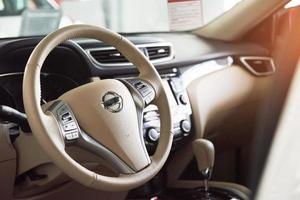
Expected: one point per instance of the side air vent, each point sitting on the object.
(109, 56)
(259, 66)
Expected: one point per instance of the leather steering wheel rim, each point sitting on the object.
(46, 129)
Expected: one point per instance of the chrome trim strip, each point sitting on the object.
(158, 44)
(11, 74)
(204, 68)
(244, 59)
(16, 74)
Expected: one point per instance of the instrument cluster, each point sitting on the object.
(52, 86)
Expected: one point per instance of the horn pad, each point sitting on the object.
(106, 111)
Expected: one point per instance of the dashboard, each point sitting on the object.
(180, 58)
(214, 90)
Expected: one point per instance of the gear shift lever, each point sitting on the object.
(205, 155)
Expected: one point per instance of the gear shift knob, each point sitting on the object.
(204, 152)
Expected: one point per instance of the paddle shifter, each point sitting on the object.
(204, 152)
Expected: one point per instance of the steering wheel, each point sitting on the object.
(103, 117)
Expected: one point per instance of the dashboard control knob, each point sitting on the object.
(185, 126)
(183, 99)
(153, 134)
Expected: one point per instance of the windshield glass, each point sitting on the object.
(39, 17)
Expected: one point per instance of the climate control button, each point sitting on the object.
(185, 126)
(153, 134)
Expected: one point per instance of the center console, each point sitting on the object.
(182, 129)
(181, 113)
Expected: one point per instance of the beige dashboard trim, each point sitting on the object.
(214, 95)
(213, 98)
(243, 17)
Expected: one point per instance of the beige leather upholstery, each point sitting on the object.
(45, 127)
(281, 176)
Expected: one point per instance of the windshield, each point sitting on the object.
(39, 17)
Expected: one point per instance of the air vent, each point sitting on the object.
(158, 52)
(259, 66)
(109, 56)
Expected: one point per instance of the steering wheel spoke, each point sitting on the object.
(66, 120)
(141, 90)
(73, 135)
(143, 94)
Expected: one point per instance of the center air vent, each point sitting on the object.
(109, 56)
(158, 52)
